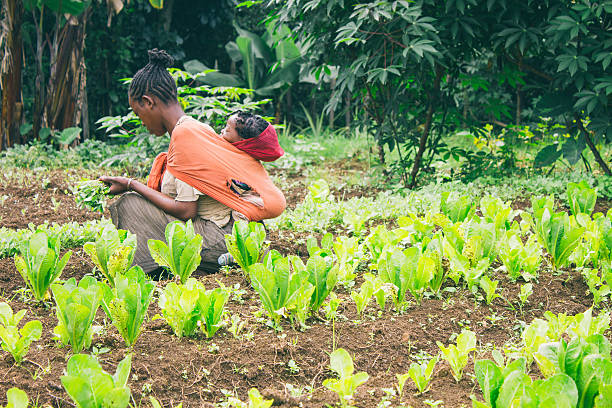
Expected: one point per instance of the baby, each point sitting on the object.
(254, 135)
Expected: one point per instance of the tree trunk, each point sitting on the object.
(39, 89)
(423, 140)
(63, 91)
(82, 105)
(10, 73)
(592, 146)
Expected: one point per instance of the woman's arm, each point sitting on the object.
(183, 210)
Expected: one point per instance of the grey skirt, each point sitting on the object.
(138, 215)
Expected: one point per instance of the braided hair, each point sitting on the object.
(248, 125)
(154, 78)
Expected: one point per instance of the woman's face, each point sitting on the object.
(229, 132)
(147, 109)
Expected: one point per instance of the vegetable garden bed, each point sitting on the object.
(288, 366)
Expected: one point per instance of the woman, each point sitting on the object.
(193, 180)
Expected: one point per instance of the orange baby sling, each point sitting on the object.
(208, 163)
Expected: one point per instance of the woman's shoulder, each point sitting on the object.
(192, 125)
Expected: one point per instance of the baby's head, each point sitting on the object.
(243, 125)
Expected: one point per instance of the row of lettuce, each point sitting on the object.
(571, 354)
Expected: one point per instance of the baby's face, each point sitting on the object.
(229, 132)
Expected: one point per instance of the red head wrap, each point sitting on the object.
(264, 147)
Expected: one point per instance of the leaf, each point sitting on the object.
(557, 391)
(341, 362)
(547, 156)
(158, 4)
(489, 378)
(16, 398)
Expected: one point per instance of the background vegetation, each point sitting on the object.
(460, 88)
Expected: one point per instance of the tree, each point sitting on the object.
(10, 72)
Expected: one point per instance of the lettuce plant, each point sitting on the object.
(407, 270)
(520, 260)
(539, 204)
(126, 304)
(433, 250)
(578, 374)
(14, 340)
(421, 373)
(489, 287)
(180, 306)
(372, 286)
(342, 364)
(211, 304)
(112, 252)
(457, 208)
(418, 227)
(76, 307)
(458, 355)
(581, 198)
(91, 387)
(247, 243)
(597, 286)
(277, 284)
(181, 251)
(323, 275)
(465, 258)
(325, 249)
(187, 306)
(298, 305)
(557, 235)
(16, 398)
(495, 211)
(39, 263)
(380, 238)
(348, 252)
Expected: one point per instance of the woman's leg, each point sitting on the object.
(136, 214)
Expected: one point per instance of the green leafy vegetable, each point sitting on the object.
(126, 304)
(408, 270)
(557, 235)
(421, 373)
(91, 194)
(14, 340)
(91, 387)
(76, 310)
(40, 263)
(581, 197)
(276, 284)
(247, 243)
(458, 355)
(211, 304)
(489, 288)
(322, 274)
(180, 307)
(181, 254)
(112, 252)
(457, 208)
(519, 260)
(342, 364)
(16, 398)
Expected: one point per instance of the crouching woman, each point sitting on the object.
(193, 180)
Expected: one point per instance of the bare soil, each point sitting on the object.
(201, 372)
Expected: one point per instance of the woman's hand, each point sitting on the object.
(117, 185)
